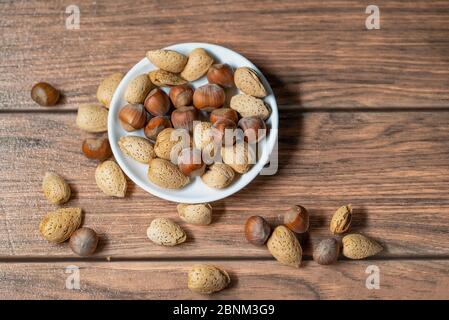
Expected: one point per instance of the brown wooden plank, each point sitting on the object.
(393, 167)
(250, 280)
(314, 54)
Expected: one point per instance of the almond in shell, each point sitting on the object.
(207, 279)
(198, 64)
(165, 232)
(162, 78)
(92, 118)
(107, 88)
(110, 179)
(165, 174)
(59, 225)
(341, 220)
(170, 142)
(285, 247)
(202, 134)
(137, 90)
(247, 80)
(249, 106)
(167, 60)
(138, 148)
(239, 157)
(55, 188)
(218, 176)
(357, 246)
(200, 214)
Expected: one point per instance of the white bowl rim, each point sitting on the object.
(169, 194)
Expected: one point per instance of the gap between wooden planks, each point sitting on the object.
(313, 55)
(250, 280)
(391, 167)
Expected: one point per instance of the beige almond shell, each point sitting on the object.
(218, 176)
(107, 88)
(59, 225)
(111, 179)
(170, 142)
(166, 175)
(247, 80)
(137, 90)
(167, 60)
(199, 214)
(162, 78)
(198, 64)
(138, 148)
(357, 246)
(249, 106)
(55, 188)
(165, 232)
(285, 247)
(92, 118)
(341, 220)
(239, 157)
(207, 279)
(202, 135)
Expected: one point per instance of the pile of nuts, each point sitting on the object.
(193, 133)
(285, 247)
(170, 122)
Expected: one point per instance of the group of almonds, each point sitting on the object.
(283, 244)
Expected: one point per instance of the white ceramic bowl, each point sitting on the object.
(196, 191)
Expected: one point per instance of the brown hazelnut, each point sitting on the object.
(224, 113)
(297, 219)
(133, 117)
(327, 251)
(98, 149)
(183, 117)
(221, 74)
(209, 97)
(224, 129)
(84, 241)
(191, 163)
(156, 125)
(157, 102)
(44, 94)
(257, 230)
(254, 128)
(181, 95)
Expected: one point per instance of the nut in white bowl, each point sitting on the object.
(196, 191)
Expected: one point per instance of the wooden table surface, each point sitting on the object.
(364, 120)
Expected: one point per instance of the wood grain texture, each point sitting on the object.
(250, 280)
(315, 54)
(393, 168)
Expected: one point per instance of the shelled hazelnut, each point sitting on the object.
(181, 95)
(297, 219)
(98, 149)
(221, 74)
(44, 94)
(254, 128)
(183, 118)
(156, 125)
(209, 97)
(257, 230)
(157, 102)
(224, 113)
(133, 117)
